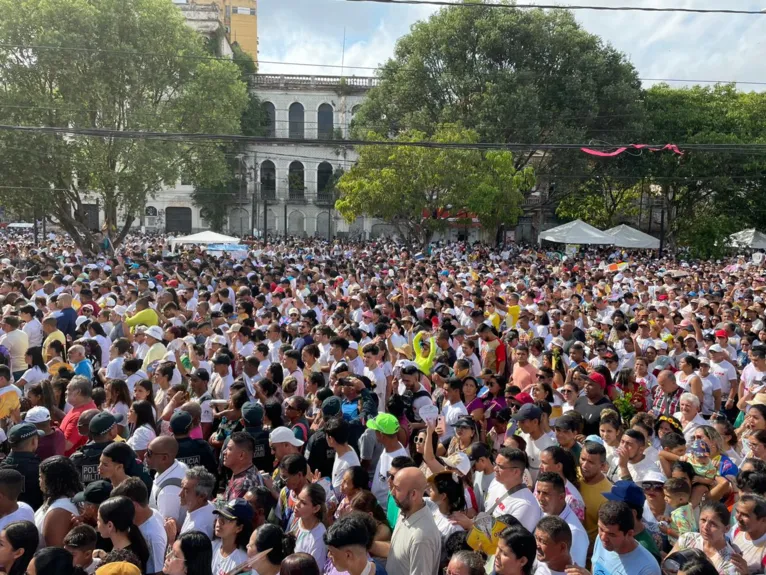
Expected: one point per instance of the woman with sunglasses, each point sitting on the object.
(570, 393)
(474, 405)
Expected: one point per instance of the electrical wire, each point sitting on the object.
(566, 7)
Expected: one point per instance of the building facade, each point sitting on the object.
(238, 18)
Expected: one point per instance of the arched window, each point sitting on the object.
(355, 109)
(150, 211)
(325, 122)
(268, 180)
(270, 121)
(324, 174)
(296, 182)
(296, 121)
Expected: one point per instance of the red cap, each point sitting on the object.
(279, 290)
(662, 297)
(721, 333)
(173, 283)
(523, 398)
(598, 379)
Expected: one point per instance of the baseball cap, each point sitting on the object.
(565, 423)
(699, 448)
(598, 379)
(477, 450)
(284, 435)
(252, 413)
(95, 492)
(237, 509)
(155, 332)
(523, 398)
(118, 568)
(22, 431)
(528, 411)
(180, 422)
(385, 423)
(594, 439)
(464, 421)
(628, 492)
(715, 348)
(101, 423)
(459, 461)
(331, 406)
(201, 373)
(38, 414)
(721, 333)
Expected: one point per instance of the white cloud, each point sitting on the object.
(660, 45)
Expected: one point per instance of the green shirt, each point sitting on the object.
(646, 541)
(392, 512)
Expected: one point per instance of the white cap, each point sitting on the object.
(653, 477)
(284, 435)
(38, 414)
(110, 302)
(81, 320)
(119, 310)
(155, 331)
(219, 339)
(353, 345)
(715, 348)
(459, 461)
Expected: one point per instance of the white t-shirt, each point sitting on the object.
(120, 410)
(543, 569)
(201, 519)
(339, 467)
(754, 552)
(451, 413)
(725, 373)
(153, 530)
(221, 564)
(751, 377)
(312, 542)
(709, 385)
(521, 505)
(379, 481)
(114, 371)
(23, 513)
(32, 376)
(141, 438)
(534, 448)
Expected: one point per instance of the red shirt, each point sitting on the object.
(69, 427)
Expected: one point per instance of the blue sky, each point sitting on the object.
(660, 45)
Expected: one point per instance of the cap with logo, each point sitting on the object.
(23, 431)
(201, 373)
(101, 423)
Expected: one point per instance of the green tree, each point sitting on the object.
(410, 186)
(512, 75)
(700, 183)
(121, 65)
(216, 200)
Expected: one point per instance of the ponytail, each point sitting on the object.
(138, 546)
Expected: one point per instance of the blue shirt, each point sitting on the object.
(637, 562)
(84, 369)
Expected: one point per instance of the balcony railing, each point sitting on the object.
(290, 80)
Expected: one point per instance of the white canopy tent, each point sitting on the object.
(627, 237)
(204, 238)
(751, 238)
(576, 232)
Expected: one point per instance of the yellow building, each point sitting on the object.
(240, 17)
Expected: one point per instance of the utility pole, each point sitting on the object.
(257, 180)
(662, 223)
(242, 183)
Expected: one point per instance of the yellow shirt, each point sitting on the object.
(147, 317)
(591, 496)
(57, 335)
(155, 353)
(514, 311)
(9, 401)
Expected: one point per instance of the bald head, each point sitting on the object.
(162, 453)
(411, 479)
(65, 300)
(667, 381)
(83, 423)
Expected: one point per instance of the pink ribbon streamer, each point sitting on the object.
(670, 147)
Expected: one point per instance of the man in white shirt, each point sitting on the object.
(550, 492)
(374, 373)
(220, 382)
(529, 417)
(452, 410)
(554, 541)
(725, 372)
(749, 535)
(197, 490)
(508, 493)
(32, 326)
(11, 509)
(17, 343)
(386, 427)
(161, 457)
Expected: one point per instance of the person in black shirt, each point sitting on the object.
(593, 403)
(318, 453)
(191, 452)
(252, 420)
(23, 439)
(102, 429)
(87, 502)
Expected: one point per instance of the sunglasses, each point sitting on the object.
(419, 440)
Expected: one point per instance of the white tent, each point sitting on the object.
(627, 237)
(204, 238)
(751, 238)
(576, 232)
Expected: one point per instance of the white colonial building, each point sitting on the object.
(288, 181)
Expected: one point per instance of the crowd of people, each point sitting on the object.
(331, 408)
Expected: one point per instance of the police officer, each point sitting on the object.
(102, 430)
(252, 420)
(23, 439)
(191, 452)
(318, 453)
(87, 502)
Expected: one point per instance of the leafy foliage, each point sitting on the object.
(124, 65)
(408, 186)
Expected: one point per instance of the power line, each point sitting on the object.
(469, 4)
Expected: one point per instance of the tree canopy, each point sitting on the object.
(121, 65)
(413, 188)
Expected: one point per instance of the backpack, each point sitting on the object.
(409, 399)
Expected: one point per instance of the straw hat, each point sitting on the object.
(405, 350)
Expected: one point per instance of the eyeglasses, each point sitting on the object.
(565, 391)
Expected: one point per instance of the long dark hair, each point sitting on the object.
(300, 564)
(270, 536)
(198, 552)
(144, 414)
(445, 484)
(568, 466)
(273, 410)
(36, 355)
(119, 511)
(22, 535)
(56, 560)
(61, 478)
(365, 501)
